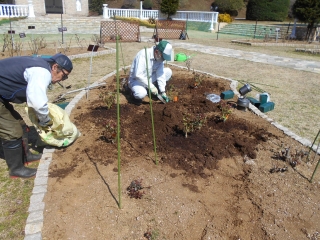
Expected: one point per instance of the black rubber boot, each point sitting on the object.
(28, 156)
(135, 101)
(14, 155)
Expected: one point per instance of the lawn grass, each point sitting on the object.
(14, 202)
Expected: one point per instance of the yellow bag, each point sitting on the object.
(62, 132)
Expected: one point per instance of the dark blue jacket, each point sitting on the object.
(12, 83)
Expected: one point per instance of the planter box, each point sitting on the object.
(254, 102)
(266, 107)
(263, 98)
(227, 94)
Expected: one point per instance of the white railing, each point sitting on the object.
(8, 10)
(211, 17)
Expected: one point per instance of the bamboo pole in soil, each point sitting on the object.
(118, 122)
(314, 172)
(315, 139)
(150, 102)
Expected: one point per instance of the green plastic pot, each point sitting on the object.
(63, 105)
(181, 57)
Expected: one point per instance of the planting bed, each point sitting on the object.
(225, 180)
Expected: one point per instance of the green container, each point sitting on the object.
(266, 107)
(263, 98)
(63, 105)
(254, 101)
(181, 57)
(42, 56)
(227, 94)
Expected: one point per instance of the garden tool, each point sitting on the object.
(62, 98)
(161, 98)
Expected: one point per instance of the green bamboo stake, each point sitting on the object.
(115, 24)
(312, 145)
(118, 122)
(314, 172)
(149, 92)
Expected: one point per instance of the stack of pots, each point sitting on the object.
(243, 103)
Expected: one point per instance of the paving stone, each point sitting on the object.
(39, 189)
(41, 180)
(36, 236)
(35, 217)
(32, 228)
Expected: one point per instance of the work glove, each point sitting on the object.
(45, 122)
(154, 90)
(165, 97)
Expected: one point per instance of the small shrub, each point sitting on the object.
(187, 123)
(226, 110)
(36, 44)
(96, 39)
(134, 189)
(152, 20)
(190, 123)
(151, 234)
(144, 23)
(79, 41)
(108, 98)
(225, 18)
(110, 132)
(198, 78)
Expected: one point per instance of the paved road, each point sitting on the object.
(294, 63)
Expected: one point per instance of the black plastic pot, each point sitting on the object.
(245, 89)
(243, 104)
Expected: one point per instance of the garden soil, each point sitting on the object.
(239, 178)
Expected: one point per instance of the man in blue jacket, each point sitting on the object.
(25, 80)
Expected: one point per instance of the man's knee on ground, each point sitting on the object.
(168, 73)
(140, 94)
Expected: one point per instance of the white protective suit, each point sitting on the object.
(138, 81)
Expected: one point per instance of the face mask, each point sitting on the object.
(158, 56)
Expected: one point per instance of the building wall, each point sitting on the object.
(69, 6)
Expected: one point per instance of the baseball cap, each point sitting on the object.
(63, 61)
(165, 48)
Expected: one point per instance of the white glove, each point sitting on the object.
(154, 90)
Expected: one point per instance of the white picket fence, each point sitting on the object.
(9, 10)
(211, 17)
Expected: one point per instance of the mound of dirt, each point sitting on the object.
(201, 175)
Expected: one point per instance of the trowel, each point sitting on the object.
(161, 98)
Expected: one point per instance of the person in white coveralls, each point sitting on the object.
(158, 74)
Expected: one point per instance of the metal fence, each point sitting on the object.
(128, 32)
